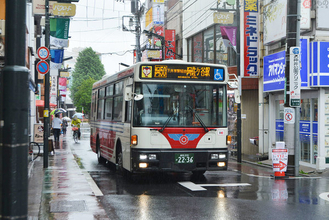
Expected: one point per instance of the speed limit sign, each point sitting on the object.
(43, 53)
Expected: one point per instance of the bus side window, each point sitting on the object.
(128, 111)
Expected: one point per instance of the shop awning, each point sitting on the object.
(41, 103)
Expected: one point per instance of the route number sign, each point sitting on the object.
(43, 53)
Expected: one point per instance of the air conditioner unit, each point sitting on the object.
(2, 27)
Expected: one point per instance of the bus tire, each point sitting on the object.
(101, 160)
(119, 159)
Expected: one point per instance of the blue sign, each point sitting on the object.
(274, 69)
(324, 64)
(219, 74)
(304, 63)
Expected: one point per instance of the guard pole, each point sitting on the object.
(14, 116)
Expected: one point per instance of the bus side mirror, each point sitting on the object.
(129, 95)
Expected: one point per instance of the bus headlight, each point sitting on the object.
(222, 156)
(221, 164)
(142, 156)
(152, 156)
(214, 156)
(134, 139)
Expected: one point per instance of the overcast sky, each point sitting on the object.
(97, 24)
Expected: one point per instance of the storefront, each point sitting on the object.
(313, 127)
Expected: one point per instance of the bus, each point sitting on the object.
(166, 116)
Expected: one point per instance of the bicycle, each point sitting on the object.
(34, 149)
(75, 134)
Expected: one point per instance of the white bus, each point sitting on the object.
(166, 116)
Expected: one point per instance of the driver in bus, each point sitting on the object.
(76, 122)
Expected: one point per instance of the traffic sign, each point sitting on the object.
(43, 53)
(42, 67)
(289, 115)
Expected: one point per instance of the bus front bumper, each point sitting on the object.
(195, 160)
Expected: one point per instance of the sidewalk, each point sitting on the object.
(63, 190)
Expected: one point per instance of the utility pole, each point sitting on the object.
(239, 160)
(291, 131)
(135, 11)
(14, 116)
(46, 108)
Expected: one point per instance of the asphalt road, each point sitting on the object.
(245, 193)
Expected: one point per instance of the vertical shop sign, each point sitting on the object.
(294, 76)
(251, 38)
(170, 45)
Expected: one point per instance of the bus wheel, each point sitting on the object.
(119, 159)
(101, 160)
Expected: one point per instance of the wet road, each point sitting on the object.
(243, 192)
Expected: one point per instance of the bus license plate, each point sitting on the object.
(184, 158)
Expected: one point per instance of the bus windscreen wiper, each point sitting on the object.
(199, 119)
(167, 122)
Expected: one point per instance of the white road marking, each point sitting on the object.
(199, 187)
(324, 196)
(92, 184)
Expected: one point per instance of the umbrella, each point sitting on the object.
(57, 111)
(66, 118)
(79, 115)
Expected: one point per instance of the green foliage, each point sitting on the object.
(83, 96)
(88, 69)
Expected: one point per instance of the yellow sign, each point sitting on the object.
(45, 113)
(147, 72)
(65, 74)
(155, 54)
(223, 17)
(64, 9)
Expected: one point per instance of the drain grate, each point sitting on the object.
(67, 206)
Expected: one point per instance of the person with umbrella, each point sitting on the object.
(64, 125)
(56, 125)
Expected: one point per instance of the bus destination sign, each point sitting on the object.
(182, 72)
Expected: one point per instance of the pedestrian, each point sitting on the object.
(56, 125)
(64, 126)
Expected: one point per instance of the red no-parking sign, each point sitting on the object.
(42, 67)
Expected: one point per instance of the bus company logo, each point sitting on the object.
(183, 139)
(146, 71)
(219, 75)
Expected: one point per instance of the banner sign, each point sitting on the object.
(56, 58)
(229, 36)
(251, 38)
(59, 32)
(170, 44)
(62, 84)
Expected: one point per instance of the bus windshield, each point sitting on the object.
(180, 105)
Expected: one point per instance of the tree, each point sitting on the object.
(83, 96)
(88, 68)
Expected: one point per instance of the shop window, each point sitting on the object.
(208, 37)
(197, 48)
